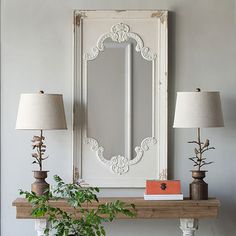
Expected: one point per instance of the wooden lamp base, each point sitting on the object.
(40, 186)
(198, 188)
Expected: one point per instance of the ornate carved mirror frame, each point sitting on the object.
(148, 31)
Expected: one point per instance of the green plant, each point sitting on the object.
(83, 221)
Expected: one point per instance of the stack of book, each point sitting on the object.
(163, 190)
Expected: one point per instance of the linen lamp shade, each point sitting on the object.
(198, 110)
(41, 112)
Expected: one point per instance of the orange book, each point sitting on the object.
(163, 187)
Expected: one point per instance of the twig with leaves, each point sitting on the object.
(40, 149)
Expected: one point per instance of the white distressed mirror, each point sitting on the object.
(120, 97)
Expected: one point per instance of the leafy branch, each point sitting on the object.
(83, 220)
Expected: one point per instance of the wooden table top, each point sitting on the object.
(145, 209)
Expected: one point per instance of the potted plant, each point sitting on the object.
(83, 220)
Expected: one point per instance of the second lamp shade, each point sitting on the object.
(198, 109)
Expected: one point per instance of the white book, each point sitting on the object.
(163, 197)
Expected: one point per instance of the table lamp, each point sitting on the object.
(198, 110)
(39, 111)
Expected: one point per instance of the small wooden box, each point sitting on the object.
(163, 187)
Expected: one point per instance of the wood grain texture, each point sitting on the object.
(145, 209)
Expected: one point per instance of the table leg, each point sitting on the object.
(188, 226)
(40, 226)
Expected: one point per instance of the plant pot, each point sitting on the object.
(40, 186)
(198, 188)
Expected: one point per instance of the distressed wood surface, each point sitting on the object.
(145, 209)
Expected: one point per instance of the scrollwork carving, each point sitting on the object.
(120, 164)
(120, 33)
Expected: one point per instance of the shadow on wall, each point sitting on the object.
(229, 104)
(225, 221)
(171, 91)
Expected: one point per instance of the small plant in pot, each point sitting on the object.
(199, 188)
(84, 219)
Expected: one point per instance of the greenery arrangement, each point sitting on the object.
(199, 160)
(83, 221)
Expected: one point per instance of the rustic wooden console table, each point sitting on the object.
(188, 211)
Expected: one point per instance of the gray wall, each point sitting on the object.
(37, 54)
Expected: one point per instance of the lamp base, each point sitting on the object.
(40, 186)
(198, 188)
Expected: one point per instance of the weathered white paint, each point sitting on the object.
(92, 29)
(188, 226)
(40, 226)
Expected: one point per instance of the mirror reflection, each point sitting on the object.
(119, 102)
